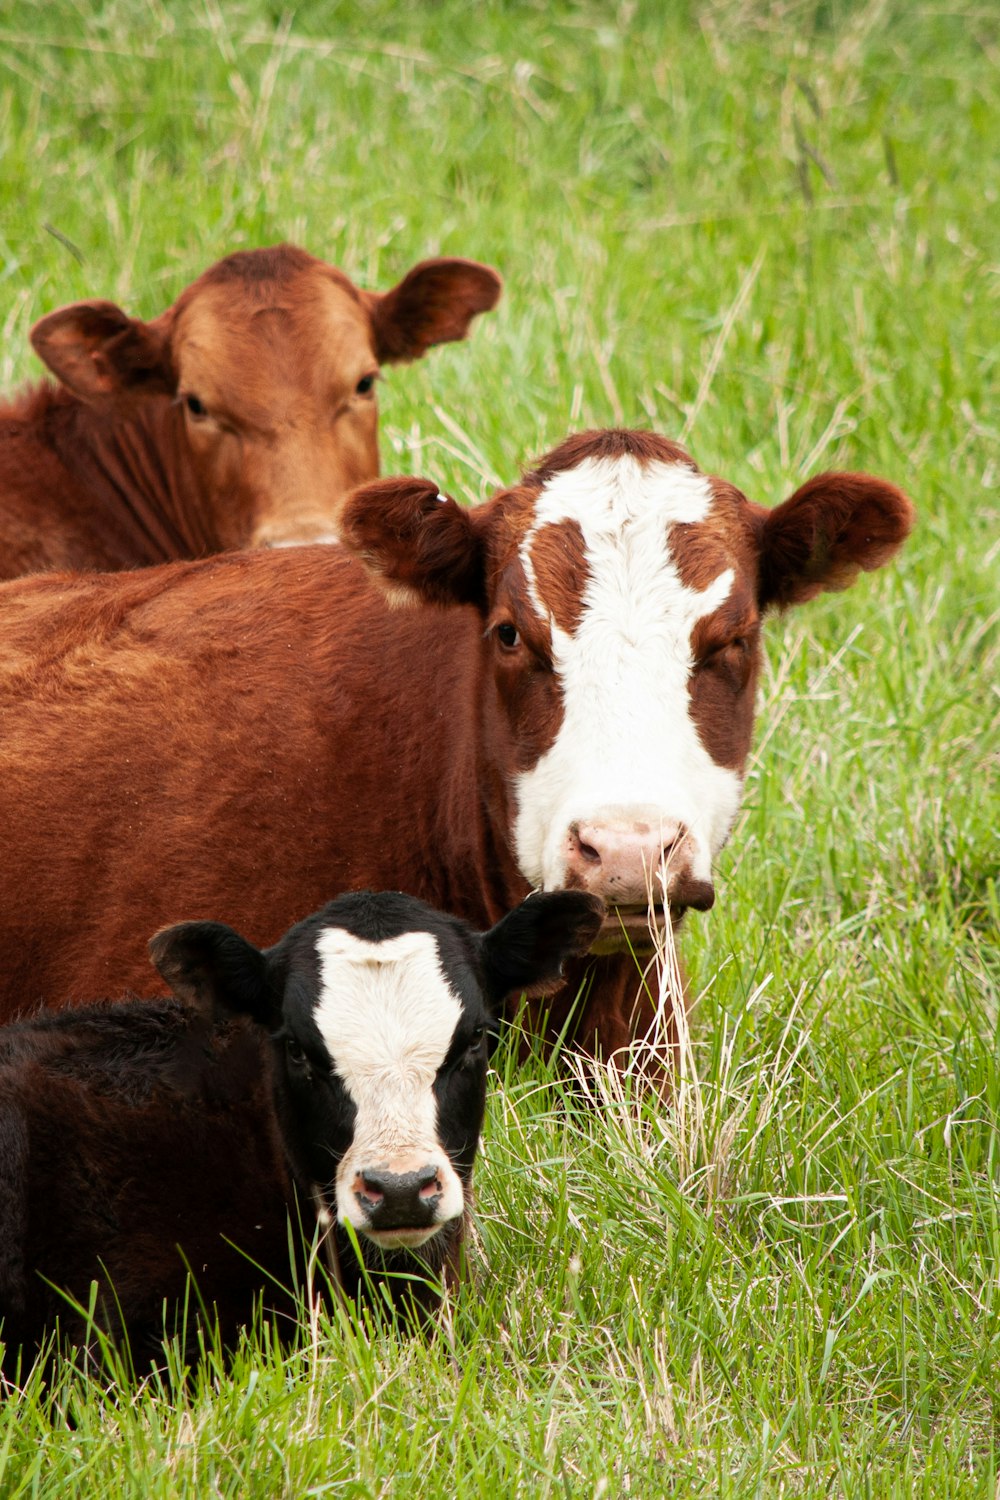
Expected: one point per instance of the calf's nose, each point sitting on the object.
(399, 1200)
(620, 860)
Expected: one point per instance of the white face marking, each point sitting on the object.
(627, 750)
(387, 1015)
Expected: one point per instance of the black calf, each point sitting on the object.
(338, 1077)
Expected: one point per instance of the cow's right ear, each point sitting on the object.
(527, 948)
(834, 527)
(417, 543)
(210, 966)
(97, 350)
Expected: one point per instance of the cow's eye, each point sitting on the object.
(507, 635)
(296, 1053)
(194, 406)
(475, 1048)
(366, 384)
(726, 651)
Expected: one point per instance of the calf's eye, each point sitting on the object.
(296, 1053)
(194, 406)
(507, 635)
(365, 384)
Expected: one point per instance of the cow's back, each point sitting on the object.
(126, 1132)
(238, 739)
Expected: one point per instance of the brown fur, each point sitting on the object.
(559, 558)
(111, 470)
(239, 738)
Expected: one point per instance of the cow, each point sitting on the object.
(553, 688)
(337, 1079)
(239, 417)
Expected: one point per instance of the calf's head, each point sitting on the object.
(272, 358)
(621, 592)
(381, 1012)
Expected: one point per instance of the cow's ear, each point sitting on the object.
(97, 350)
(834, 527)
(433, 304)
(527, 948)
(208, 965)
(417, 543)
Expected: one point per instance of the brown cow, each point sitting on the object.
(568, 701)
(240, 417)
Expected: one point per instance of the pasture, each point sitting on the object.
(768, 231)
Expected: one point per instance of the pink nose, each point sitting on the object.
(621, 861)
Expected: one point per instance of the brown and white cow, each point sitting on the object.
(568, 699)
(240, 417)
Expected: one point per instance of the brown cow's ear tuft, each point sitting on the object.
(834, 527)
(417, 543)
(527, 948)
(210, 966)
(97, 350)
(433, 304)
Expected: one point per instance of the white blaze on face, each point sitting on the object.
(627, 748)
(387, 1016)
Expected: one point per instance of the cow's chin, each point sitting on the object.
(632, 929)
(402, 1239)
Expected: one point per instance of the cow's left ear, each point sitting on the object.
(433, 304)
(417, 543)
(527, 948)
(834, 527)
(97, 350)
(208, 965)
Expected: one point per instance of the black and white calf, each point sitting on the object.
(338, 1077)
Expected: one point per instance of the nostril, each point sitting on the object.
(586, 851)
(672, 846)
(368, 1191)
(432, 1189)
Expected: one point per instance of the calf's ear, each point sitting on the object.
(417, 543)
(208, 965)
(433, 304)
(97, 350)
(528, 947)
(834, 527)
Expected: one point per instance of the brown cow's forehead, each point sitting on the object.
(257, 350)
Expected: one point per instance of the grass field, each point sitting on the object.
(764, 229)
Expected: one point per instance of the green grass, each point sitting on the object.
(765, 229)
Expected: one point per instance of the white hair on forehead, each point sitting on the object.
(384, 1006)
(605, 494)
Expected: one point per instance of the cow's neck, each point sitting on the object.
(479, 875)
(137, 470)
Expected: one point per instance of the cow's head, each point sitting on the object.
(621, 591)
(381, 1012)
(272, 358)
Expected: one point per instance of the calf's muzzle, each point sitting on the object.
(393, 1201)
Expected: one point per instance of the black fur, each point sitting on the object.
(143, 1138)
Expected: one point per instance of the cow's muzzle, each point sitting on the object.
(636, 866)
